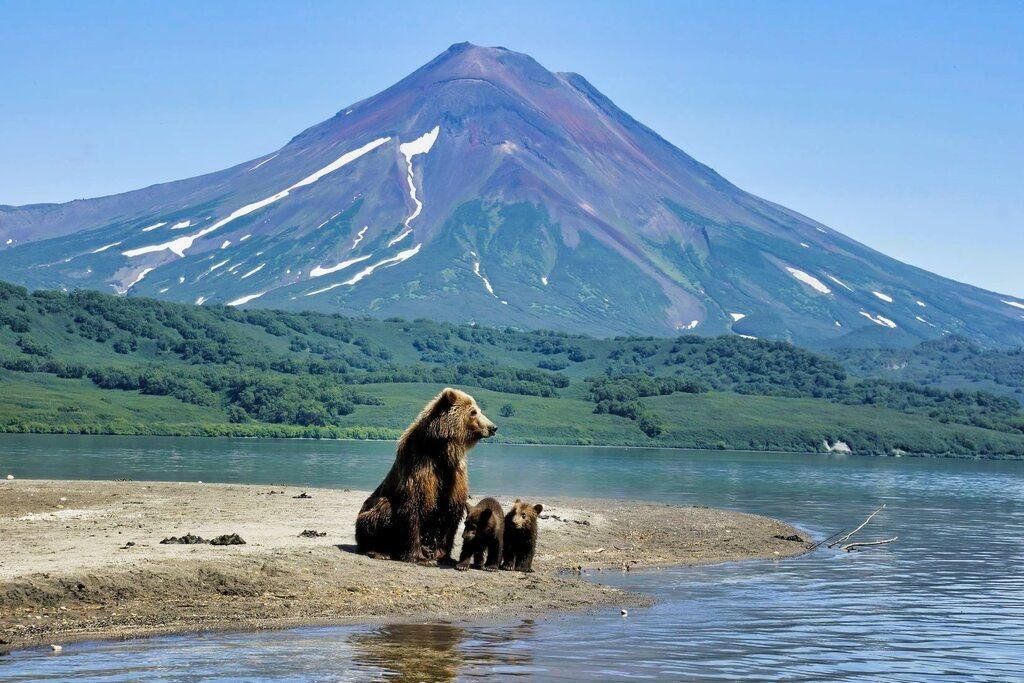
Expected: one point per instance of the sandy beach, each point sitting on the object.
(83, 560)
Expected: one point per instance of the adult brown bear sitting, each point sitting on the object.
(414, 514)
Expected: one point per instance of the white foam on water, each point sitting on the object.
(244, 237)
(884, 297)
(544, 281)
(200, 301)
(225, 244)
(920, 303)
(215, 266)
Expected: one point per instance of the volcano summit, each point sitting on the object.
(485, 188)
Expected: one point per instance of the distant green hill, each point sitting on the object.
(86, 362)
(951, 362)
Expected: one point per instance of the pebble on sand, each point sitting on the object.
(10, 476)
(56, 648)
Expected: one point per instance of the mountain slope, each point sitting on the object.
(94, 363)
(484, 188)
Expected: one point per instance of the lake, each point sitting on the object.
(945, 600)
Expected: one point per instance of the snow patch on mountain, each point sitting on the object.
(104, 248)
(736, 317)
(879, 320)
(270, 158)
(328, 220)
(487, 283)
(839, 282)
(254, 271)
(1015, 304)
(810, 280)
(393, 261)
(319, 271)
(884, 297)
(154, 226)
(136, 280)
(420, 145)
(180, 245)
(245, 299)
(359, 236)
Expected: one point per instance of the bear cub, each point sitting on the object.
(520, 536)
(485, 527)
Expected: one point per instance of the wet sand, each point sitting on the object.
(83, 560)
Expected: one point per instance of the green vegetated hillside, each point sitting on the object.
(86, 362)
(948, 363)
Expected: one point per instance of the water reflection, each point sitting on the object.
(442, 651)
(410, 652)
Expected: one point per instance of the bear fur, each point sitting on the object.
(485, 527)
(520, 537)
(414, 514)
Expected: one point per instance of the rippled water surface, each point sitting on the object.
(945, 601)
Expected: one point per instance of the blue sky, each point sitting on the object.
(900, 124)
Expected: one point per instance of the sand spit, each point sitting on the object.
(83, 560)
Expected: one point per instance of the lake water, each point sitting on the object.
(945, 601)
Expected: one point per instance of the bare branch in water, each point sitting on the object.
(862, 525)
(853, 546)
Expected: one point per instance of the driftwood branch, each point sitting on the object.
(862, 525)
(826, 540)
(853, 546)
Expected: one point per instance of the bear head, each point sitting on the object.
(524, 515)
(454, 416)
(475, 523)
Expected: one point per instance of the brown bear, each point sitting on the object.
(414, 514)
(485, 526)
(520, 538)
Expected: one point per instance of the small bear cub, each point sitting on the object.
(485, 527)
(520, 536)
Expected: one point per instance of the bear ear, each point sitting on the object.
(449, 395)
(538, 508)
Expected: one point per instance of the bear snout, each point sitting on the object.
(492, 429)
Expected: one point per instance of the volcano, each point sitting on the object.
(484, 188)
